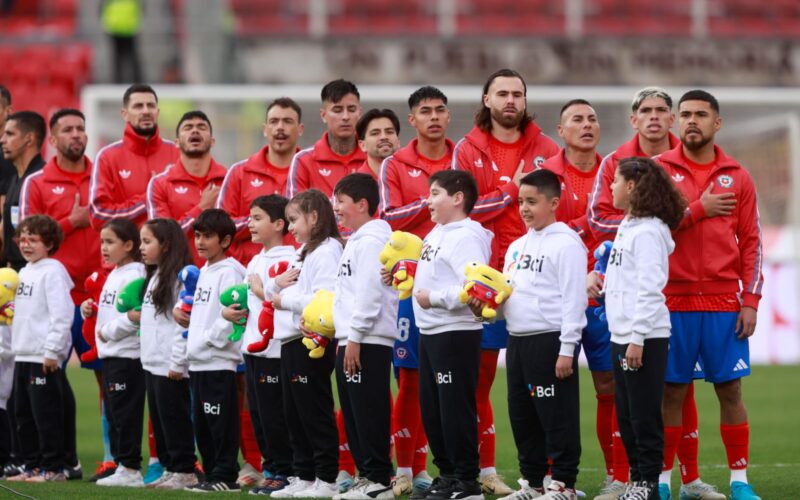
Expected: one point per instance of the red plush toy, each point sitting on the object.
(94, 285)
(266, 320)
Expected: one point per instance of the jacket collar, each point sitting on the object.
(258, 163)
(480, 138)
(410, 155)
(676, 156)
(139, 145)
(632, 148)
(177, 172)
(558, 163)
(52, 172)
(323, 152)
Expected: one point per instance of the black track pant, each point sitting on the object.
(365, 399)
(216, 422)
(308, 404)
(123, 393)
(170, 414)
(637, 397)
(39, 407)
(543, 410)
(265, 399)
(448, 377)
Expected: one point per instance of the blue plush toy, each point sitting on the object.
(188, 278)
(602, 254)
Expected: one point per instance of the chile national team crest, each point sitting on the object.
(725, 181)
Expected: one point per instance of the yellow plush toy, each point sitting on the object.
(486, 284)
(399, 257)
(9, 280)
(318, 323)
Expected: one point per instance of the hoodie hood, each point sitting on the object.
(660, 228)
(228, 262)
(560, 228)
(378, 229)
(481, 233)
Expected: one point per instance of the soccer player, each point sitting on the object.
(403, 184)
(504, 144)
(123, 169)
(191, 184)
(6, 167)
(378, 132)
(261, 174)
(337, 153)
(714, 287)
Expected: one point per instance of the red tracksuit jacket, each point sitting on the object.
(403, 187)
(497, 207)
(174, 194)
(244, 182)
(51, 192)
(318, 167)
(714, 255)
(121, 173)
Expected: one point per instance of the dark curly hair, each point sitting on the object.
(326, 227)
(45, 227)
(654, 194)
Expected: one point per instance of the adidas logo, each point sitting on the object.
(124, 173)
(740, 365)
(58, 190)
(691, 435)
(403, 433)
(490, 430)
(344, 447)
(478, 163)
(697, 367)
(678, 178)
(256, 182)
(324, 172)
(414, 173)
(741, 463)
(494, 167)
(181, 189)
(616, 435)
(575, 196)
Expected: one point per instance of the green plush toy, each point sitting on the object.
(236, 294)
(130, 297)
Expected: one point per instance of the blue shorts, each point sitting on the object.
(495, 335)
(705, 343)
(596, 340)
(406, 348)
(79, 343)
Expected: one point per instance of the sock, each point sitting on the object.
(486, 434)
(420, 462)
(406, 417)
(247, 439)
(672, 435)
(604, 426)
(739, 475)
(687, 447)
(106, 440)
(152, 460)
(346, 461)
(151, 441)
(620, 463)
(405, 471)
(736, 439)
(665, 477)
(486, 471)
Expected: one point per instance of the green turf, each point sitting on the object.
(771, 396)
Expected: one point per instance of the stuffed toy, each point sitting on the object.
(486, 284)
(318, 323)
(94, 285)
(130, 296)
(9, 281)
(188, 278)
(266, 318)
(399, 257)
(602, 253)
(236, 294)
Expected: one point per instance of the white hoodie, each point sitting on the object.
(548, 271)
(119, 332)
(259, 266)
(637, 274)
(162, 342)
(43, 313)
(364, 309)
(6, 366)
(317, 272)
(208, 347)
(446, 251)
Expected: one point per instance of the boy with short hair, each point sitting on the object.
(450, 337)
(40, 348)
(212, 357)
(364, 311)
(545, 317)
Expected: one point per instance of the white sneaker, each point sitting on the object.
(402, 485)
(344, 481)
(612, 490)
(698, 490)
(358, 484)
(525, 492)
(178, 481)
(161, 479)
(249, 476)
(319, 489)
(493, 484)
(368, 490)
(295, 484)
(123, 476)
(557, 490)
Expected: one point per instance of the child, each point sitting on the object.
(545, 316)
(364, 317)
(164, 253)
(268, 227)
(307, 392)
(118, 347)
(450, 337)
(212, 357)
(637, 313)
(41, 340)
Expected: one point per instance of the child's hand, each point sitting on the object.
(633, 356)
(176, 376)
(256, 285)
(305, 331)
(180, 317)
(134, 316)
(423, 297)
(594, 285)
(476, 306)
(49, 365)
(87, 311)
(352, 358)
(233, 313)
(386, 277)
(288, 278)
(563, 367)
(276, 302)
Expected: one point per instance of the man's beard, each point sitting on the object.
(72, 154)
(144, 131)
(696, 145)
(507, 121)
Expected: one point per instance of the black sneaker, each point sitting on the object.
(210, 487)
(73, 472)
(10, 469)
(437, 484)
(458, 490)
